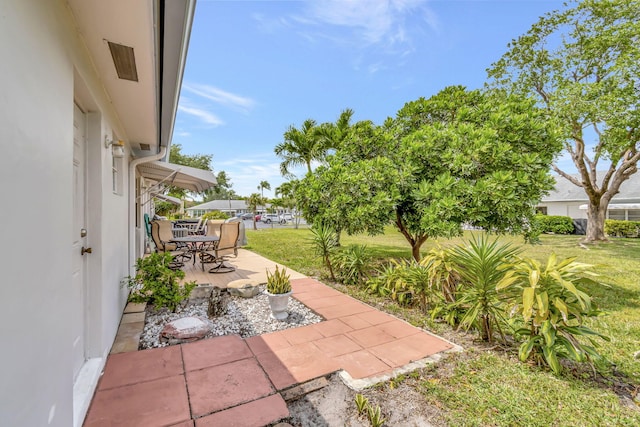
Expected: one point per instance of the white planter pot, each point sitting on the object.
(279, 304)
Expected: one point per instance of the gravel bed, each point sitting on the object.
(245, 317)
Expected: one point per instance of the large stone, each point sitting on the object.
(186, 329)
(245, 288)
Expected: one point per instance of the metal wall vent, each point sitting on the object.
(124, 60)
(145, 147)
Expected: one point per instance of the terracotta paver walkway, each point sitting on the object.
(228, 381)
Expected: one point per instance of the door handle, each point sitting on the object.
(85, 251)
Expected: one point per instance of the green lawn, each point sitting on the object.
(485, 386)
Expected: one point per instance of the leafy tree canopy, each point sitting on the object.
(582, 64)
(459, 157)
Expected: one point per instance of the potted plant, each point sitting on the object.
(278, 291)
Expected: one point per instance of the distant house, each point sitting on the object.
(570, 200)
(230, 207)
(89, 91)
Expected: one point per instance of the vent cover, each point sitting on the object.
(145, 147)
(124, 60)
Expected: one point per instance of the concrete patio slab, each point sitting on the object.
(230, 381)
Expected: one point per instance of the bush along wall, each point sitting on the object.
(620, 228)
(554, 224)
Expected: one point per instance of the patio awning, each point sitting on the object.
(616, 206)
(192, 179)
(168, 198)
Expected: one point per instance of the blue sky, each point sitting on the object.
(256, 67)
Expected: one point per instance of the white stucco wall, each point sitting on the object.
(569, 209)
(41, 53)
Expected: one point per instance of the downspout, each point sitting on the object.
(132, 202)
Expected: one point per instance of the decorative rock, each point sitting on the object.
(218, 303)
(245, 288)
(186, 329)
(200, 292)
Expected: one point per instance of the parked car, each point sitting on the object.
(269, 218)
(287, 217)
(247, 215)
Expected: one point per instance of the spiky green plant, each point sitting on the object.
(479, 265)
(324, 240)
(361, 403)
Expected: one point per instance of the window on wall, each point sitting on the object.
(634, 214)
(541, 210)
(117, 175)
(616, 214)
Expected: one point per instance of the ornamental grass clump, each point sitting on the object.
(278, 282)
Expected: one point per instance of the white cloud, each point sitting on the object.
(220, 96)
(202, 114)
(372, 22)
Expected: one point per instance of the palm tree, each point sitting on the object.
(287, 191)
(253, 201)
(332, 135)
(262, 186)
(300, 147)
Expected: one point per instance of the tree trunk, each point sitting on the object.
(596, 216)
(415, 251)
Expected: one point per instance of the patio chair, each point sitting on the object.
(197, 228)
(162, 235)
(225, 247)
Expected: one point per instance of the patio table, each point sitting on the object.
(196, 244)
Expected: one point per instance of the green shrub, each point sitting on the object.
(325, 241)
(215, 215)
(155, 283)
(552, 308)
(554, 224)
(618, 228)
(352, 264)
(480, 267)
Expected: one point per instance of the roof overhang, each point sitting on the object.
(192, 179)
(154, 34)
(616, 206)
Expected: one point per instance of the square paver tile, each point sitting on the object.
(375, 317)
(414, 347)
(133, 318)
(135, 307)
(398, 329)
(214, 351)
(355, 322)
(219, 387)
(332, 327)
(337, 345)
(306, 362)
(361, 364)
(369, 337)
(315, 303)
(139, 366)
(128, 337)
(276, 370)
(342, 310)
(300, 335)
(153, 403)
(257, 413)
(267, 343)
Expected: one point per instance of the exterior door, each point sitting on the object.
(78, 241)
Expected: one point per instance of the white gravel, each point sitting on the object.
(245, 317)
